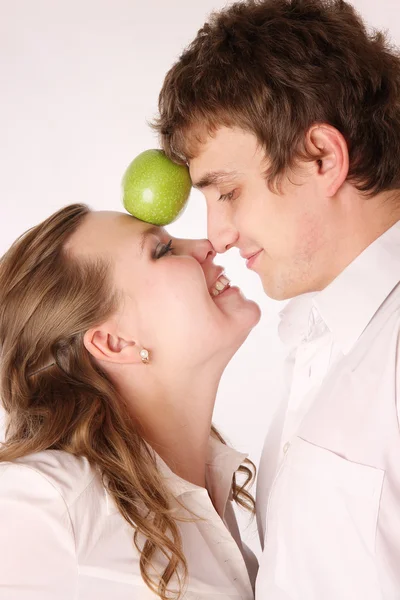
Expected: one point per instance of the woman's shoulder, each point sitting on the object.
(67, 475)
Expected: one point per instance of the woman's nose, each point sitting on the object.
(202, 250)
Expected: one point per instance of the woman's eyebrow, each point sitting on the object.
(145, 235)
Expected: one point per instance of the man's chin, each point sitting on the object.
(284, 292)
(277, 292)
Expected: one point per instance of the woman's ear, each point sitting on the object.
(330, 148)
(104, 344)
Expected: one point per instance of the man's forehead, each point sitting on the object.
(224, 155)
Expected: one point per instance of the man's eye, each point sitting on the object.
(163, 250)
(229, 196)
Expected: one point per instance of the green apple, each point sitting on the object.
(155, 189)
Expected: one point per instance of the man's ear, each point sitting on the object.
(105, 344)
(332, 156)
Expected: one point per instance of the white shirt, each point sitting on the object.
(328, 495)
(62, 537)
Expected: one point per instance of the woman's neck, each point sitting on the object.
(174, 415)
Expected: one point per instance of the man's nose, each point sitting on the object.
(220, 230)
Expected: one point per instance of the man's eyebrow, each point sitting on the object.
(214, 178)
(145, 235)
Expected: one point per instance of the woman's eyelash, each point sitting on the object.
(163, 249)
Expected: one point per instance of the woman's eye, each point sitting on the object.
(229, 196)
(163, 250)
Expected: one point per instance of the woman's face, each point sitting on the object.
(169, 302)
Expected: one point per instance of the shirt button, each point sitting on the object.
(286, 447)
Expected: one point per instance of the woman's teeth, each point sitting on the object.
(220, 285)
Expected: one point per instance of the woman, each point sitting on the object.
(113, 483)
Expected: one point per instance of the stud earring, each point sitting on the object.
(144, 355)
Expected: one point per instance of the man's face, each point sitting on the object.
(288, 231)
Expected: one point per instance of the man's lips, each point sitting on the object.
(251, 258)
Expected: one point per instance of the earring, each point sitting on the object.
(144, 355)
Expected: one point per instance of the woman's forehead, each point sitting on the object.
(106, 229)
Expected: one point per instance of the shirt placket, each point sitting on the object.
(313, 358)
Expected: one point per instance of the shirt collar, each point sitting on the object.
(222, 462)
(348, 304)
(294, 320)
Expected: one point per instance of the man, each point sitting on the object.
(288, 115)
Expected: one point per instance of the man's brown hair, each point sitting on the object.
(275, 68)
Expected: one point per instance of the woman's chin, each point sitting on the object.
(251, 317)
(242, 322)
(246, 313)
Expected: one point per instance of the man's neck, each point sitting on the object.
(360, 222)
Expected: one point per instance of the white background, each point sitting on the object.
(78, 80)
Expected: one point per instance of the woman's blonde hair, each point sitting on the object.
(48, 300)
